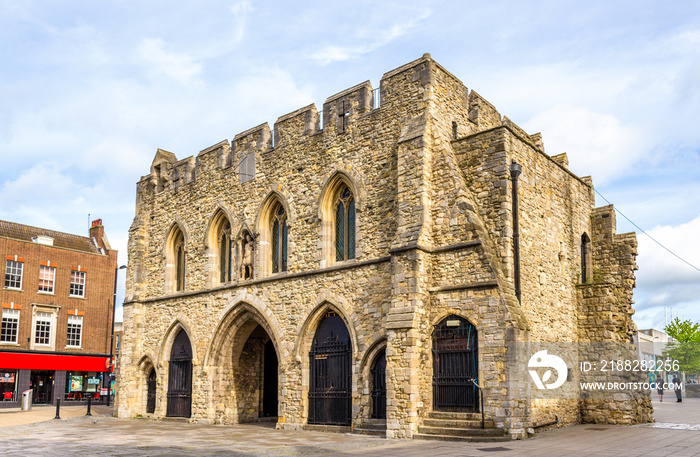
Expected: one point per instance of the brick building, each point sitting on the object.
(57, 312)
(373, 266)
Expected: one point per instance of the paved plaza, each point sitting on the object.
(675, 433)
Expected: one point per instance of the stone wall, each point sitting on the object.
(434, 238)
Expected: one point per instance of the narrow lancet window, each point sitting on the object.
(180, 259)
(225, 247)
(279, 240)
(345, 225)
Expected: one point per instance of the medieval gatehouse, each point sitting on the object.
(368, 267)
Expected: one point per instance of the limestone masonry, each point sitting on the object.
(371, 266)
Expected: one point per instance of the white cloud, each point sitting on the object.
(370, 38)
(658, 266)
(597, 144)
(240, 12)
(663, 279)
(180, 67)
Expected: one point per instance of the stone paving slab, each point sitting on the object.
(677, 433)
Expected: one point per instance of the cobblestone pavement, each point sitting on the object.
(676, 432)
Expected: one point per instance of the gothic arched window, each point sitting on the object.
(180, 259)
(175, 261)
(225, 246)
(279, 239)
(344, 225)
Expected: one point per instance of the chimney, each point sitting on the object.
(97, 233)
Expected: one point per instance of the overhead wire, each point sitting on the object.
(650, 237)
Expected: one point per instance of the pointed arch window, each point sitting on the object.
(225, 249)
(180, 262)
(344, 225)
(175, 252)
(279, 239)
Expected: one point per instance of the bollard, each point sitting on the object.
(89, 403)
(58, 407)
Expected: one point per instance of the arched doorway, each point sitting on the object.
(379, 386)
(255, 373)
(180, 378)
(330, 373)
(455, 365)
(151, 395)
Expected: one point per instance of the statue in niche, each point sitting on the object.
(247, 256)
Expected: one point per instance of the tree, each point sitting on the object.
(686, 347)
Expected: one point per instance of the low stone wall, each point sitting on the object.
(692, 390)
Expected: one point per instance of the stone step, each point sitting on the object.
(457, 423)
(371, 426)
(450, 431)
(454, 416)
(369, 431)
(473, 439)
(183, 420)
(328, 428)
(376, 427)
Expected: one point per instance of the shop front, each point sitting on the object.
(53, 377)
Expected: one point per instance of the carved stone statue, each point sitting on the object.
(247, 260)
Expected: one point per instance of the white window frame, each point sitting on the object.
(51, 272)
(7, 315)
(77, 281)
(11, 267)
(41, 312)
(76, 321)
(44, 319)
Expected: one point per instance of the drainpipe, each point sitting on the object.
(515, 170)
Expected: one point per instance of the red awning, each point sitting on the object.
(27, 361)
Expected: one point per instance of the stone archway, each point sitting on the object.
(151, 391)
(378, 385)
(255, 376)
(455, 365)
(330, 373)
(244, 366)
(180, 377)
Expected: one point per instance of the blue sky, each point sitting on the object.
(89, 91)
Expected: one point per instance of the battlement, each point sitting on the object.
(339, 109)
(401, 95)
(304, 120)
(604, 223)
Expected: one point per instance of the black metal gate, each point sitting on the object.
(151, 398)
(455, 366)
(180, 378)
(379, 387)
(330, 373)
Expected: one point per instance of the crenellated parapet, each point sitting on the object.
(341, 109)
(222, 152)
(482, 113)
(401, 99)
(298, 124)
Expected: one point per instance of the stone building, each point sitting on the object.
(370, 265)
